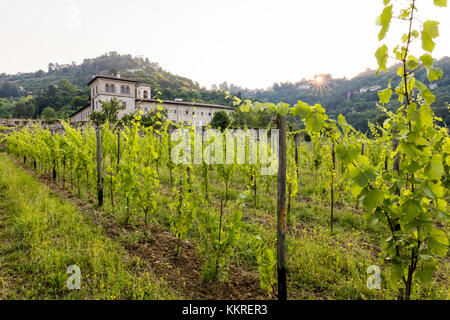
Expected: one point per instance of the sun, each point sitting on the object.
(319, 84)
(319, 80)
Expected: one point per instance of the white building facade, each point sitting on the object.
(135, 96)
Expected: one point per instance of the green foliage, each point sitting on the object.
(267, 262)
(402, 197)
(24, 108)
(220, 120)
(429, 32)
(48, 113)
(384, 20)
(219, 234)
(46, 235)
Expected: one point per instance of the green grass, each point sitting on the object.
(321, 265)
(41, 235)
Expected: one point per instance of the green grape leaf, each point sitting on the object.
(412, 62)
(283, 108)
(425, 116)
(382, 55)
(384, 20)
(429, 32)
(427, 60)
(301, 109)
(439, 236)
(385, 95)
(347, 152)
(425, 273)
(434, 74)
(428, 97)
(440, 3)
(411, 208)
(371, 219)
(372, 199)
(437, 248)
(435, 169)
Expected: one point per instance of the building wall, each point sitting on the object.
(98, 87)
(140, 91)
(83, 115)
(176, 112)
(183, 113)
(130, 105)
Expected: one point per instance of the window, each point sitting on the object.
(145, 94)
(174, 111)
(187, 112)
(113, 88)
(107, 87)
(122, 89)
(96, 89)
(128, 89)
(92, 105)
(124, 104)
(209, 114)
(202, 113)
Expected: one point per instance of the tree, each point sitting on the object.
(110, 112)
(6, 108)
(48, 113)
(8, 90)
(220, 120)
(79, 101)
(24, 108)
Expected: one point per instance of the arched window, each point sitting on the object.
(113, 88)
(107, 87)
(145, 94)
(122, 89)
(128, 90)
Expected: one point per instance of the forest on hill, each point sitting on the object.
(61, 90)
(355, 98)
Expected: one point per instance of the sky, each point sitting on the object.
(251, 43)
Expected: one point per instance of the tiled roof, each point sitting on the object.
(111, 78)
(187, 103)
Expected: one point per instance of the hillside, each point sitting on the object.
(61, 89)
(346, 96)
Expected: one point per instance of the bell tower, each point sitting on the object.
(143, 91)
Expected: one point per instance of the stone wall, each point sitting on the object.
(7, 125)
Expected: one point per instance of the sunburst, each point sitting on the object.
(319, 84)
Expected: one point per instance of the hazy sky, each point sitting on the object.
(251, 43)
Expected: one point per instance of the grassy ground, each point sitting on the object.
(321, 265)
(42, 234)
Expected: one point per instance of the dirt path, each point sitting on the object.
(181, 271)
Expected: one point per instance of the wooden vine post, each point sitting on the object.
(333, 169)
(281, 209)
(297, 143)
(99, 167)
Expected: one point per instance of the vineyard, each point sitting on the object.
(341, 209)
